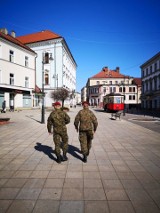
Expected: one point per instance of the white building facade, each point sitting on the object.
(60, 72)
(150, 72)
(17, 72)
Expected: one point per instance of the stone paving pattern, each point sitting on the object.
(122, 174)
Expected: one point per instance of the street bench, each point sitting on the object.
(117, 115)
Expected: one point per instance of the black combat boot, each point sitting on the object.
(85, 158)
(58, 159)
(65, 156)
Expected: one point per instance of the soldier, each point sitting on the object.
(3, 107)
(86, 123)
(58, 119)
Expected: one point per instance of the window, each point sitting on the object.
(150, 85)
(146, 71)
(150, 69)
(155, 83)
(11, 81)
(122, 89)
(155, 67)
(46, 58)
(143, 73)
(98, 82)
(131, 97)
(112, 89)
(26, 61)
(11, 56)
(26, 82)
(110, 82)
(132, 89)
(146, 86)
(46, 79)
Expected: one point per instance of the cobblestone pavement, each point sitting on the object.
(122, 174)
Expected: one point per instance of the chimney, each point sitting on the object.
(13, 34)
(105, 69)
(4, 30)
(117, 69)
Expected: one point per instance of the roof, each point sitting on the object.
(137, 81)
(106, 73)
(37, 89)
(37, 37)
(15, 41)
(150, 60)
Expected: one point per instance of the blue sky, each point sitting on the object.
(99, 33)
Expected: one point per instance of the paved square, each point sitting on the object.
(122, 173)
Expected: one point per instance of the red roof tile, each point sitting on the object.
(40, 36)
(108, 74)
(137, 81)
(14, 40)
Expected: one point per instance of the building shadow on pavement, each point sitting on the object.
(47, 150)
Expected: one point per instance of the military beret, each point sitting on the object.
(85, 102)
(57, 104)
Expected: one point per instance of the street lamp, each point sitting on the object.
(43, 94)
(122, 85)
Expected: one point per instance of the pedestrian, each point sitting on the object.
(58, 120)
(11, 106)
(3, 107)
(86, 123)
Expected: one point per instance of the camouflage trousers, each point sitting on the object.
(85, 138)
(61, 142)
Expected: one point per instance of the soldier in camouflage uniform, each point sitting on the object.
(86, 123)
(58, 119)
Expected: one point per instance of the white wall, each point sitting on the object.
(18, 69)
(63, 65)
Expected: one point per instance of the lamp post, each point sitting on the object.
(43, 94)
(122, 84)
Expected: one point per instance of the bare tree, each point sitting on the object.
(60, 95)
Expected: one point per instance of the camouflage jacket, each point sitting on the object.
(85, 120)
(58, 119)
